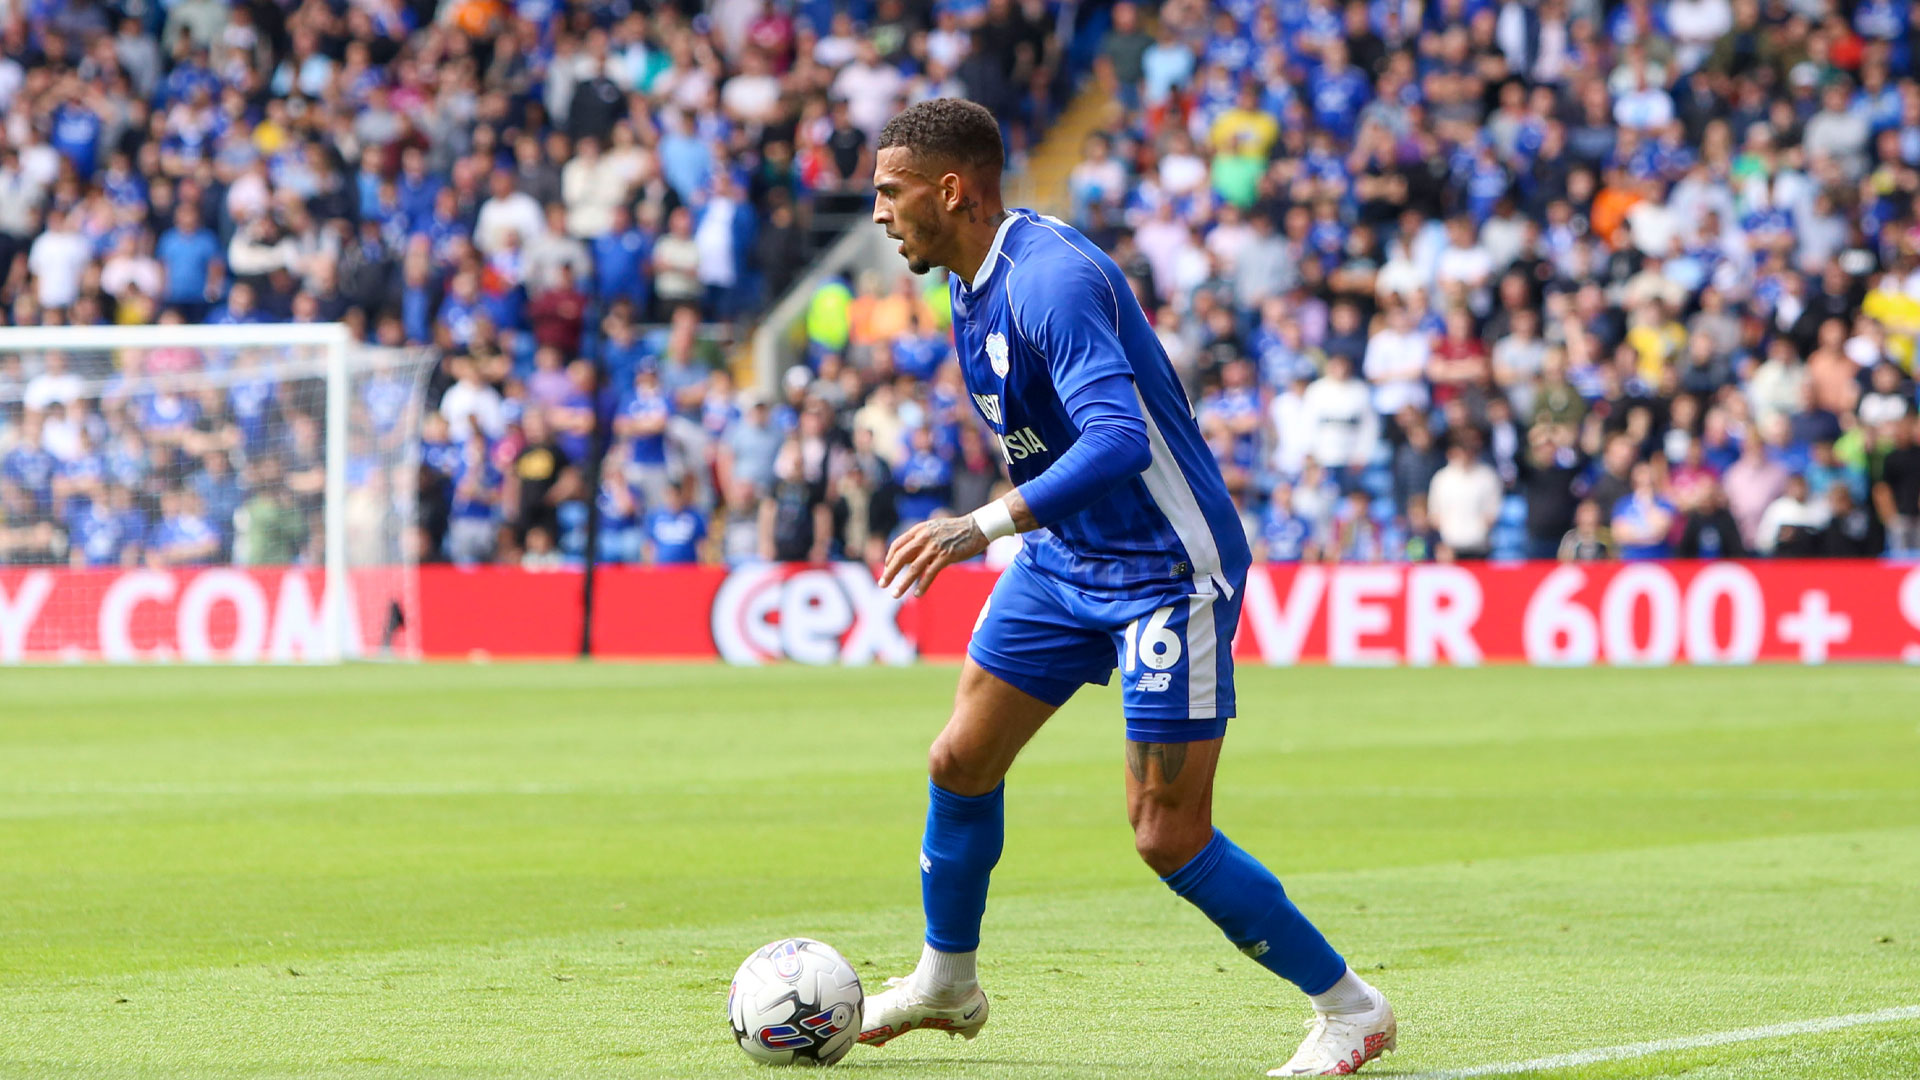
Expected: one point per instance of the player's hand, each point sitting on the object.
(924, 550)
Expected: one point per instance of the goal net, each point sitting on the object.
(207, 493)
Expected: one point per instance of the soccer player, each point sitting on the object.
(1133, 555)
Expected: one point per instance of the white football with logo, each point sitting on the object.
(795, 1002)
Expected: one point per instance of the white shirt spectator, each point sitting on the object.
(1344, 428)
(1105, 180)
(1182, 173)
(713, 238)
(470, 404)
(1464, 501)
(50, 387)
(249, 196)
(20, 199)
(751, 98)
(57, 260)
(39, 162)
(1400, 276)
(1396, 364)
(869, 90)
(1655, 229)
(1227, 241)
(948, 47)
(1644, 109)
(11, 76)
(1504, 239)
(131, 271)
(1784, 512)
(1293, 432)
(249, 256)
(591, 188)
(517, 213)
(1468, 266)
(1696, 25)
(1775, 389)
(835, 51)
(1163, 240)
(61, 435)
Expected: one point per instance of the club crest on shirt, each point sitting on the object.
(997, 353)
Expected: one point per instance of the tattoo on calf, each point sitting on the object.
(1171, 756)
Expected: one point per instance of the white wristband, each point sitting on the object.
(994, 520)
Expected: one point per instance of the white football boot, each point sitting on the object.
(1338, 1044)
(901, 1008)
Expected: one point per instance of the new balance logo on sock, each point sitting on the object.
(1255, 951)
(1154, 682)
(926, 864)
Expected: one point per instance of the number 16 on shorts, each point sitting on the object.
(1175, 662)
(1149, 644)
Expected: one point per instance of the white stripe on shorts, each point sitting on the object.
(1203, 656)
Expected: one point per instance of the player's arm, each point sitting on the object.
(1095, 382)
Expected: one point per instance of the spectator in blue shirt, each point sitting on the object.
(76, 134)
(190, 254)
(238, 310)
(675, 530)
(29, 467)
(1643, 520)
(99, 534)
(417, 187)
(1286, 536)
(642, 423)
(619, 258)
(925, 480)
(184, 537)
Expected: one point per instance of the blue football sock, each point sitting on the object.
(961, 845)
(1245, 901)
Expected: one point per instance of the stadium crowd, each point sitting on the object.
(1480, 278)
(1559, 278)
(523, 187)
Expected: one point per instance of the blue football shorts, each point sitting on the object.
(1173, 647)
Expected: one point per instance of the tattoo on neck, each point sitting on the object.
(972, 206)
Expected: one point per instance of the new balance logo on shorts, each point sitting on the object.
(1154, 682)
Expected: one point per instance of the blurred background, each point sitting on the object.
(1546, 279)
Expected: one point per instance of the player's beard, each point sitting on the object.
(912, 243)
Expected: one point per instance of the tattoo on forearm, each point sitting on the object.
(951, 536)
(972, 206)
(1171, 756)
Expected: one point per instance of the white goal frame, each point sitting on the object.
(336, 345)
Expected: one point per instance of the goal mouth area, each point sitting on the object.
(234, 493)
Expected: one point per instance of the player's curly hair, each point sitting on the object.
(951, 129)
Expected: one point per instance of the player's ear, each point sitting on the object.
(952, 191)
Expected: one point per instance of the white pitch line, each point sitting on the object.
(1668, 1046)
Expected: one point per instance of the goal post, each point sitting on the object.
(238, 493)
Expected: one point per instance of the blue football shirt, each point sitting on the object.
(1049, 313)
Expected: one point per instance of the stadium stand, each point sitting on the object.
(1515, 279)
(1560, 278)
(556, 197)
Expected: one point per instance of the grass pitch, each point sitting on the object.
(552, 870)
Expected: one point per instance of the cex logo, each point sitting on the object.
(812, 614)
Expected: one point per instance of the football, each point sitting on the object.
(795, 1002)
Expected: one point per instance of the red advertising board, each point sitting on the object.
(235, 614)
(1541, 613)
